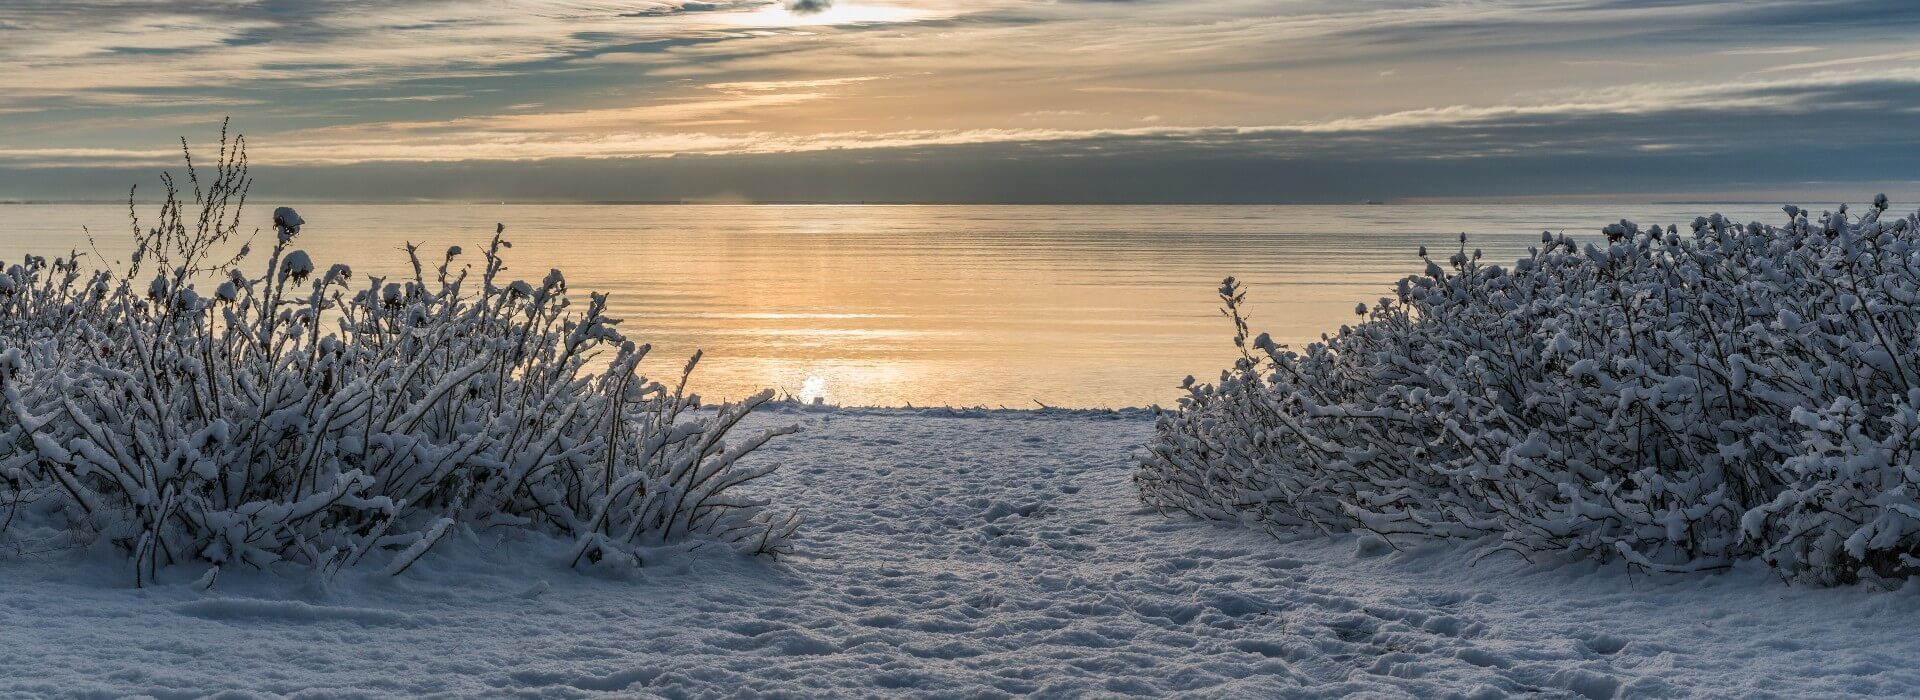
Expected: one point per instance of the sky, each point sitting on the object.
(1231, 101)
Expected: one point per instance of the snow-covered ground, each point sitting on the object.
(960, 554)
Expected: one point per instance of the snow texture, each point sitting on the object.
(1680, 401)
(959, 554)
(328, 421)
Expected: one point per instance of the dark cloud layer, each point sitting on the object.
(1832, 136)
(807, 7)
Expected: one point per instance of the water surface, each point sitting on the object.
(1082, 306)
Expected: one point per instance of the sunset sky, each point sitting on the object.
(981, 101)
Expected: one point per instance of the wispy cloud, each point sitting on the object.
(1910, 56)
(1580, 122)
(1769, 51)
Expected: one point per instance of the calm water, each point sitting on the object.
(930, 305)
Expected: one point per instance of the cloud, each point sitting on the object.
(343, 83)
(1647, 117)
(807, 7)
(1769, 50)
(1888, 57)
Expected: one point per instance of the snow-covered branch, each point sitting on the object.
(1679, 399)
(315, 418)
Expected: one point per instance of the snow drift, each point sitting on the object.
(1681, 400)
(297, 414)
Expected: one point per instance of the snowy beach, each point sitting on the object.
(888, 349)
(958, 554)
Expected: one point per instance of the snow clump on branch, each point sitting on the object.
(1679, 400)
(325, 421)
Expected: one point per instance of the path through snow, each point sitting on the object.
(963, 555)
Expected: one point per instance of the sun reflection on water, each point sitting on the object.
(925, 305)
(813, 390)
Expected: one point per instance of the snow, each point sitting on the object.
(957, 554)
(297, 265)
(286, 217)
(235, 437)
(1680, 402)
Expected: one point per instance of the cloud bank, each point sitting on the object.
(475, 89)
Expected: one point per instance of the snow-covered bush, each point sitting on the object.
(1677, 399)
(299, 414)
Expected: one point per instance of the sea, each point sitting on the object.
(922, 305)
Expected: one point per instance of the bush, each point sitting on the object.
(1678, 400)
(296, 414)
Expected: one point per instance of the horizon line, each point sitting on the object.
(1418, 201)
